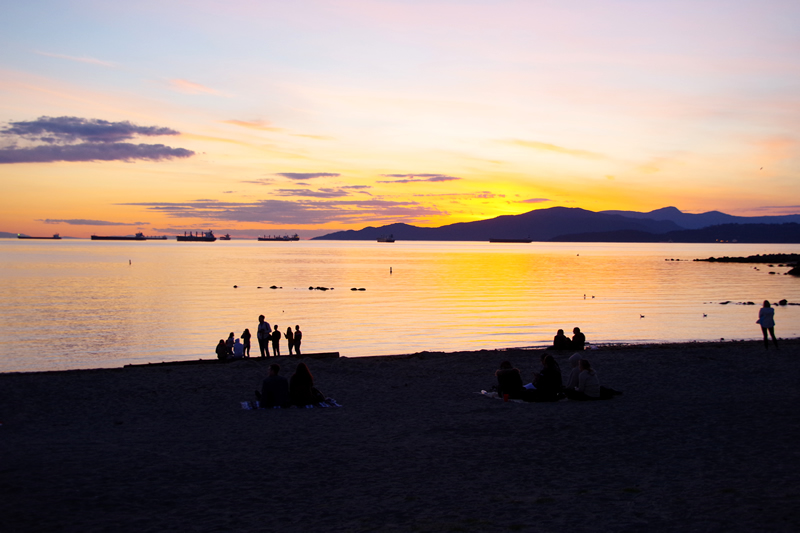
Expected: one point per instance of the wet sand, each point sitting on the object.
(705, 438)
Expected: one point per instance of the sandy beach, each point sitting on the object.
(704, 438)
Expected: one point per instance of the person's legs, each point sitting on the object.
(774, 340)
(296, 348)
(263, 348)
(766, 339)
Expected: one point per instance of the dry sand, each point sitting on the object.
(705, 438)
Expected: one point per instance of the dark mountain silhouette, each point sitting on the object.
(537, 225)
(703, 220)
(743, 233)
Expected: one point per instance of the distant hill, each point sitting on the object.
(537, 225)
(703, 220)
(743, 233)
(7, 235)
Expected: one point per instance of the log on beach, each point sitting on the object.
(704, 438)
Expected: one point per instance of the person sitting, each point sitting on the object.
(222, 350)
(509, 381)
(578, 339)
(238, 349)
(274, 390)
(561, 341)
(301, 388)
(588, 384)
(572, 380)
(547, 383)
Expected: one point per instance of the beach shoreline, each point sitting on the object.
(703, 439)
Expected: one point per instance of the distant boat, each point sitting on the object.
(55, 236)
(385, 238)
(512, 240)
(138, 237)
(279, 238)
(197, 236)
(225, 237)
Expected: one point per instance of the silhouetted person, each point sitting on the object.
(276, 342)
(263, 336)
(229, 344)
(766, 317)
(561, 341)
(574, 362)
(588, 384)
(274, 390)
(509, 381)
(578, 339)
(301, 387)
(238, 349)
(290, 339)
(222, 350)
(298, 338)
(547, 382)
(246, 342)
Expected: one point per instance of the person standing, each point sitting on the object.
(766, 317)
(246, 342)
(298, 338)
(229, 344)
(276, 342)
(263, 336)
(290, 339)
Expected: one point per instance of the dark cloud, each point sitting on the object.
(534, 200)
(300, 212)
(91, 152)
(357, 187)
(321, 193)
(73, 129)
(88, 222)
(416, 178)
(465, 196)
(307, 175)
(81, 139)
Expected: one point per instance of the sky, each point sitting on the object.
(259, 117)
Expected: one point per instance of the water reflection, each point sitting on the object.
(78, 304)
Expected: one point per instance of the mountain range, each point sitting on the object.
(570, 224)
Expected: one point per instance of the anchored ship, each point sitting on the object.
(197, 236)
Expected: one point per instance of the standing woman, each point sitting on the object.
(246, 342)
(290, 339)
(766, 317)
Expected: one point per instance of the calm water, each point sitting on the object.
(80, 304)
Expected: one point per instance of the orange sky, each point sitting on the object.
(310, 117)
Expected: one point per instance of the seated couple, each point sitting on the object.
(562, 342)
(299, 390)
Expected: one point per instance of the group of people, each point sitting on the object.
(237, 348)
(562, 342)
(299, 390)
(547, 384)
(265, 335)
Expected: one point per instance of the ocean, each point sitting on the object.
(74, 304)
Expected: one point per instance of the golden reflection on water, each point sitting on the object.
(76, 304)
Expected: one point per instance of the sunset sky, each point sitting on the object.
(252, 117)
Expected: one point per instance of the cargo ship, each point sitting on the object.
(385, 238)
(225, 237)
(279, 238)
(55, 236)
(138, 237)
(197, 236)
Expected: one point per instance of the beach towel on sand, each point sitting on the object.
(329, 402)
